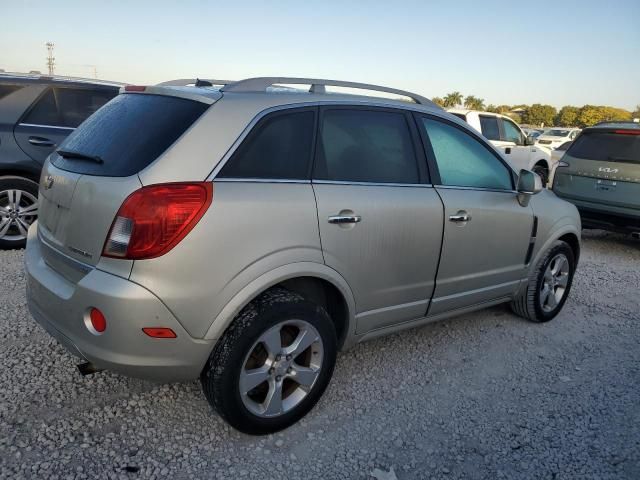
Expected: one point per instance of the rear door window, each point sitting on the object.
(67, 107)
(279, 147)
(607, 147)
(489, 127)
(128, 134)
(373, 146)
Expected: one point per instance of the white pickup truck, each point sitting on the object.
(508, 137)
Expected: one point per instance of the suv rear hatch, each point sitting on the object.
(603, 167)
(95, 169)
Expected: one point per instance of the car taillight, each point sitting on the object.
(627, 132)
(154, 219)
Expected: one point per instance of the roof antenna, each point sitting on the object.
(203, 83)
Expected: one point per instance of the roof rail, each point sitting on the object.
(260, 84)
(183, 82)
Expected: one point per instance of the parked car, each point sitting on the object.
(600, 174)
(36, 114)
(554, 137)
(533, 132)
(244, 235)
(508, 137)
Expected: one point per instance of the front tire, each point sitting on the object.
(543, 173)
(18, 210)
(272, 364)
(549, 285)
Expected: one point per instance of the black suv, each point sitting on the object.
(36, 114)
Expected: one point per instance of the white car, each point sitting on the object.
(554, 137)
(519, 149)
(556, 156)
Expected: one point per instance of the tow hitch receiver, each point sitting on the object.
(88, 368)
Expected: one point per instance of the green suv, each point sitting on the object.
(600, 174)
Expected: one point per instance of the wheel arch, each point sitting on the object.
(316, 282)
(566, 232)
(20, 173)
(542, 163)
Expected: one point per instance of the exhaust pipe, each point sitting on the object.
(635, 235)
(88, 368)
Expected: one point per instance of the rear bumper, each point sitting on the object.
(595, 218)
(606, 217)
(60, 306)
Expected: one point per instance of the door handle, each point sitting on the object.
(460, 217)
(342, 219)
(41, 142)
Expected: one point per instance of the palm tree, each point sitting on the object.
(438, 101)
(452, 99)
(474, 103)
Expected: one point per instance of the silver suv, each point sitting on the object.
(244, 232)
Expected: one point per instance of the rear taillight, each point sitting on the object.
(627, 132)
(154, 219)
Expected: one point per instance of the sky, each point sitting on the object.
(506, 52)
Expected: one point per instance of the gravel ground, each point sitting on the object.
(486, 395)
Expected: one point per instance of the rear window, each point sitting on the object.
(7, 89)
(67, 107)
(607, 147)
(128, 133)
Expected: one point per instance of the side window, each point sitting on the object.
(278, 147)
(45, 111)
(463, 161)
(67, 107)
(7, 89)
(366, 146)
(512, 133)
(76, 105)
(489, 127)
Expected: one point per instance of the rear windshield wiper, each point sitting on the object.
(79, 156)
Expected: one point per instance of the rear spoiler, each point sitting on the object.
(204, 95)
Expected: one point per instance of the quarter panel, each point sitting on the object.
(249, 229)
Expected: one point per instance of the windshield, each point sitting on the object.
(607, 146)
(556, 133)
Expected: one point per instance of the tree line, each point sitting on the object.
(539, 114)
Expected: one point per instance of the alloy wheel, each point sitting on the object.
(18, 210)
(281, 368)
(554, 282)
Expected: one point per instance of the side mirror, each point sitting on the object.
(529, 140)
(529, 184)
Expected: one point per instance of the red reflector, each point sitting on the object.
(98, 322)
(627, 132)
(154, 219)
(159, 332)
(134, 88)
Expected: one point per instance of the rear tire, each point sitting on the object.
(18, 210)
(549, 285)
(256, 378)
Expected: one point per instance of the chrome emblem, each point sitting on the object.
(608, 170)
(48, 182)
